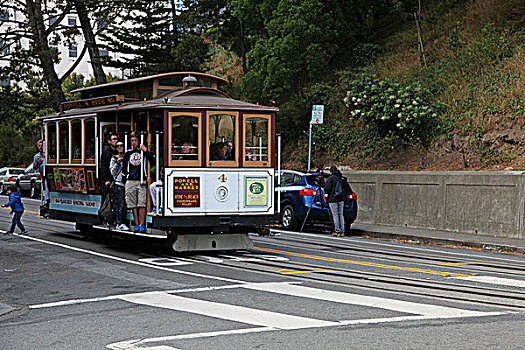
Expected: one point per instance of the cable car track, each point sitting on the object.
(341, 246)
(383, 282)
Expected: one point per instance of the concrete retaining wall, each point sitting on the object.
(484, 203)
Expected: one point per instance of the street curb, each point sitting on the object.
(441, 241)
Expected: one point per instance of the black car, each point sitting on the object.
(302, 194)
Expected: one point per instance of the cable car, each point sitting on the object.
(214, 156)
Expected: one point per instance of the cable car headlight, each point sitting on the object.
(222, 193)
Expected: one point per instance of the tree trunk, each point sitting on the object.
(43, 52)
(89, 37)
(243, 50)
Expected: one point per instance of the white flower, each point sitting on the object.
(414, 103)
(391, 97)
(357, 111)
(353, 99)
(384, 117)
(364, 96)
(397, 105)
(358, 100)
(346, 100)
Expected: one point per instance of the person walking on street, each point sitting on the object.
(120, 190)
(135, 190)
(334, 190)
(17, 209)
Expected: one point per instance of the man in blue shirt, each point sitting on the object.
(38, 163)
(133, 165)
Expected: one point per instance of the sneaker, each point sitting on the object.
(137, 229)
(153, 211)
(122, 227)
(333, 234)
(142, 229)
(160, 211)
(341, 234)
(24, 232)
(8, 233)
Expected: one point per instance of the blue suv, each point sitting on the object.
(300, 192)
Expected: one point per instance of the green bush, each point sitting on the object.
(390, 109)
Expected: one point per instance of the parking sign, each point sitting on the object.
(317, 114)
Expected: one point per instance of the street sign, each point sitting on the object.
(317, 114)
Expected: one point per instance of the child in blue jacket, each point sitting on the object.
(17, 208)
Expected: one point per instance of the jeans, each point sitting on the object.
(337, 214)
(16, 221)
(120, 204)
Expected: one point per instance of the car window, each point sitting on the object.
(316, 180)
(286, 179)
(16, 171)
(29, 169)
(3, 172)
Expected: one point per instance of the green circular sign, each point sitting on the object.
(256, 188)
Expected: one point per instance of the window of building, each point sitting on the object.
(73, 52)
(52, 20)
(71, 21)
(103, 53)
(4, 14)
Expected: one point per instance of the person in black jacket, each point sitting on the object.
(105, 159)
(334, 190)
(133, 164)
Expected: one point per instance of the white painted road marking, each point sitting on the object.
(272, 321)
(225, 311)
(363, 300)
(494, 280)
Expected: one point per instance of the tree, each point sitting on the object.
(147, 34)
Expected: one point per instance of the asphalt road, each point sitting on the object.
(291, 291)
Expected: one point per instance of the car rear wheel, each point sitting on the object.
(288, 218)
(33, 191)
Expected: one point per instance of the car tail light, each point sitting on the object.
(12, 179)
(352, 196)
(307, 192)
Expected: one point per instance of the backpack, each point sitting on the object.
(106, 211)
(346, 186)
(338, 190)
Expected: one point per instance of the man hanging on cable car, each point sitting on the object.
(133, 165)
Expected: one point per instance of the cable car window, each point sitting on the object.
(185, 138)
(76, 140)
(63, 142)
(89, 137)
(256, 137)
(51, 143)
(222, 137)
(256, 140)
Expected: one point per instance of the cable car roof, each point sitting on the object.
(191, 98)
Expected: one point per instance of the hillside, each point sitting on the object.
(474, 80)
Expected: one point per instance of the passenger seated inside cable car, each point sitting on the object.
(218, 151)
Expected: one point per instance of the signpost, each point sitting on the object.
(317, 118)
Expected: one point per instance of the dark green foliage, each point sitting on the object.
(151, 41)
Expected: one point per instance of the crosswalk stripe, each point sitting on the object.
(225, 311)
(363, 300)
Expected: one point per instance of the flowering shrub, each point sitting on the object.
(393, 110)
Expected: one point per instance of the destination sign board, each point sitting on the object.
(92, 102)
